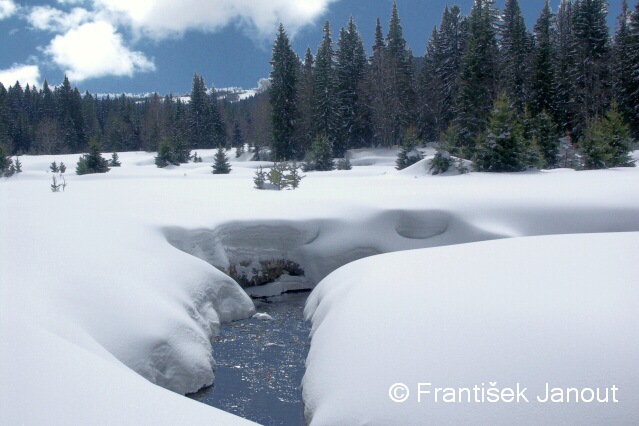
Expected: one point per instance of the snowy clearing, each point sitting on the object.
(113, 277)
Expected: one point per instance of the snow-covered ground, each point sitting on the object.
(113, 277)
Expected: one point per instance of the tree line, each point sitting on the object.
(566, 79)
(60, 120)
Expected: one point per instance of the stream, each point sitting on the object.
(260, 364)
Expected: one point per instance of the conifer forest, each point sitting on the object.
(564, 93)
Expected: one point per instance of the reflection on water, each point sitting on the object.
(260, 364)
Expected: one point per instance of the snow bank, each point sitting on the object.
(97, 267)
(556, 309)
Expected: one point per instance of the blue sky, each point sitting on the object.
(114, 46)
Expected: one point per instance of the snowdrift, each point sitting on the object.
(556, 309)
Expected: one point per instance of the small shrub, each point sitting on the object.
(92, 162)
(408, 154)
(63, 168)
(54, 167)
(166, 155)
(114, 162)
(323, 154)
(441, 163)
(260, 178)
(55, 186)
(344, 164)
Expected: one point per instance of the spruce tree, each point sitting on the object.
(565, 64)
(200, 126)
(5, 162)
(503, 148)
(399, 80)
(631, 102)
(326, 101)
(283, 96)
(438, 79)
(306, 103)
(377, 95)
(92, 162)
(478, 74)
(238, 139)
(593, 145)
(221, 165)
(516, 49)
(591, 50)
(166, 154)
(408, 154)
(546, 134)
(351, 65)
(114, 162)
(544, 83)
(218, 127)
(322, 154)
(619, 142)
(260, 178)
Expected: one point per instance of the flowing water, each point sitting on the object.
(260, 364)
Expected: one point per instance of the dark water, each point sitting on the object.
(260, 364)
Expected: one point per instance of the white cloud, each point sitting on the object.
(25, 74)
(163, 18)
(96, 50)
(50, 19)
(7, 8)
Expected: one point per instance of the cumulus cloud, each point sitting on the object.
(7, 8)
(49, 19)
(95, 50)
(164, 18)
(25, 74)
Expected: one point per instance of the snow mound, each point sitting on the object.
(263, 317)
(555, 309)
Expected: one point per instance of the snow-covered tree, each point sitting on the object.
(408, 154)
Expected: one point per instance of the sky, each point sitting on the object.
(141, 46)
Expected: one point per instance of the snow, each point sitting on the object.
(113, 281)
(557, 309)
